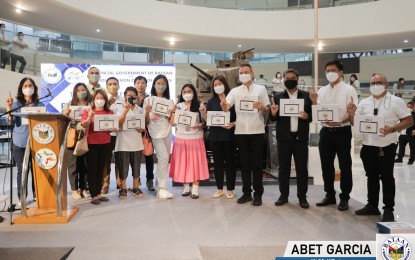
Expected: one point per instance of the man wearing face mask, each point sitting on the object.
(378, 151)
(4, 54)
(292, 140)
(93, 80)
(407, 136)
(16, 53)
(249, 131)
(335, 137)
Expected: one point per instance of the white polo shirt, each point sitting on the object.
(17, 49)
(117, 108)
(392, 108)
(249, 123)
(341, 94)
(130, 140)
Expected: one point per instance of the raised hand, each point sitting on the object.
(274, 107)
(313, 96)
(351, 107)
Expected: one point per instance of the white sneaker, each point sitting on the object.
(76, 195)
(86, 194)
(18, 205)
(164, 194)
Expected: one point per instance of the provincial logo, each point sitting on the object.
(52, 75)
(396, 248)
(43, 133)
(73, 75)
(46, 158)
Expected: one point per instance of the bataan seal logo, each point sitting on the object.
(43, 133)
(52, 75)
(395, 248)
(46, 158)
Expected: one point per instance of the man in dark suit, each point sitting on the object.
(292, 139)
(407, 136)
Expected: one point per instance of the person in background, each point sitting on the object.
(129, 145)
(77, 168)
(222, 140)
(188, 162)
(398, 87)
(378, 151)
(160, 131)
(4, 43)
(116, 102)
(93, 80)
(354, 82)
(407, 136)
(27, 92)
(278, 78)
(140, 84)
(261, 80)
(335, 137)
(302, 82)
(249, 133)
(292, 133)
(99, 144)
(16, 53)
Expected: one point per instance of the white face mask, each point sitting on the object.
(99, 103)
(94, 78)
(161, 88)
(188, 97)
(219, 89)
(377, 90)
(244, 78)
(20, 37)
(28, 91)
(332, 76)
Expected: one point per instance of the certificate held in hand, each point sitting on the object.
(368, 124)
(291, 107)
(185, 118)
(218, 118)
(105, 122)
(245, 104)
(76, 111)
(160, 105)
(322, 113)
(133, 122)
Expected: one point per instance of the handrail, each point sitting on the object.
(25, 171)
(59, 181)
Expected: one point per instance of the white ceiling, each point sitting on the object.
(54, 16)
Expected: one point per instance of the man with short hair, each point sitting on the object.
(249, 132)
(4, 43)
(93, 80)
(292, 133)
(407, 136)
(16, 53)
(378, 151)
(336, 137)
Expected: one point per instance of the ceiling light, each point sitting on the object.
(18, 10)
(239, 46)
(320, 46)
(405, 41)
(98, 30)
(172, 42)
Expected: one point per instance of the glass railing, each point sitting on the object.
(266, 5)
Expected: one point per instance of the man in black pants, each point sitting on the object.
(292, 139)
(336, 137)
(407, 137)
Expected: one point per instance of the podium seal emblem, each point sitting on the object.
(43, 133)
(46, 158)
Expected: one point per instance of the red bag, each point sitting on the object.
(148, 145)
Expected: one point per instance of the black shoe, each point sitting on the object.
(398, 160)
(367, 211)
(104, 199)
(388, 216)
(281, 201)
(194, 196)
(96, 202)
(304, 203)
(410, 162)
(326, 201)
(244, 199)
(343, 205)
(257, 201)
(150, 185)
(185, 193)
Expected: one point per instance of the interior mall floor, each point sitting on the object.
(204, 228)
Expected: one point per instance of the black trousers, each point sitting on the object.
(379, 168)
(336, 141)
(18, 155)
(403, 141)
(250, 157)
(4, 58)
(14, 59)
(149, 167)
(96, 159)
(224, 157)
(287, 149)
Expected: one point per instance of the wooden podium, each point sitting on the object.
(47, 145)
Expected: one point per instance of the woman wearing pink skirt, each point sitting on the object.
(188, 163)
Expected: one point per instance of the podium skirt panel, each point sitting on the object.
(96, 163)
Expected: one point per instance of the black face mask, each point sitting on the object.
(291, 83)
(131, 100)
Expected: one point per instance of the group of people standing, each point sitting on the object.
(12, 50)
(243, 135)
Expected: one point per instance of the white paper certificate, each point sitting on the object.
(160, 105)
(218, 118)
(105, 122)
(76, 111)
(133, 122)
(322, 113)
(31, 110)
(245, 104)
(368, 124)
(185, 118)
(291, 107)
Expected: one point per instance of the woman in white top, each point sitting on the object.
(188, 158)
(278, 78)
(355, 83)
(160, 131)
